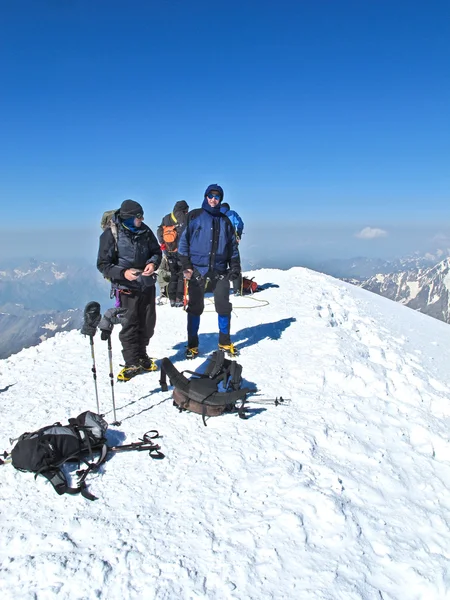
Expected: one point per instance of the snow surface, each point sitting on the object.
(343, 494)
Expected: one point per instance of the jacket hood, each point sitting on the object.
(216, 187)
(181, 206)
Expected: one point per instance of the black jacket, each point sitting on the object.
(132, 250)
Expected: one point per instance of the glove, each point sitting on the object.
(234, 274)
(92, 318)
(163, 247)
(115, 316)
(112, 317)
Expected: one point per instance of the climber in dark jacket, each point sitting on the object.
(208, 252)
(128, 255)
(169, 233)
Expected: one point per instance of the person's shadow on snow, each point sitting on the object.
(266, 286)
(243, 338)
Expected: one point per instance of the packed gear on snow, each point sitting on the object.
(46, 450)
(215, 391)
(249, 286)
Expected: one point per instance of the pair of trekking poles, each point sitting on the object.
(92, 318)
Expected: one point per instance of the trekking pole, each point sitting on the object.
(92, 318)
(94, 372)
(112, 317)
(185, 293)
(144, 444)
(111, 378)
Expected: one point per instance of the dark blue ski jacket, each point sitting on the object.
(208, 243)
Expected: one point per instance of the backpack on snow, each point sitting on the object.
(215, 391)
(249, 286)
(44, 451)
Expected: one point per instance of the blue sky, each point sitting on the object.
(333, 115)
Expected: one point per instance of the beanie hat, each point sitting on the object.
(130, 208)
(225, 205)
(215, 187)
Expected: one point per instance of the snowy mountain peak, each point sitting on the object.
(424, 289)
(46, 272)
(341, 494)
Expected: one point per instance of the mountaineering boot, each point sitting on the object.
(191, 352)
(129, 371)
(179, 303)
(148, 364)
(230, 349)
(173, 303)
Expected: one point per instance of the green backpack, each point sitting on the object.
(108, 223)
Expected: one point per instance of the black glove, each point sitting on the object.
(92, 318)
(112, 317)
(234, 273)
(115, 316)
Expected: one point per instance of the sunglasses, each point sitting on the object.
(215, 196)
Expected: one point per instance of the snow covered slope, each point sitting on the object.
(343, 494)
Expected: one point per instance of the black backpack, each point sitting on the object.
(211, 393)
(44, 451)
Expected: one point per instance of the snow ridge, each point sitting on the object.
(342, 494)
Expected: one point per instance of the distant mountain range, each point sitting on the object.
(362, 268)
(39, 299)
(419, 282)
(422, 289)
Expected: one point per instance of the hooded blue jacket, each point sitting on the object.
(208, 243)
(235, 219)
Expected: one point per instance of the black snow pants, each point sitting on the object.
(139, 325)
(176, 283)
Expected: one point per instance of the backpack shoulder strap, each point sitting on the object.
(216, 364)
(59, 482)
(176, 378)
(235, 376)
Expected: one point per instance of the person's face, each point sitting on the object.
(213, 198)
(138, 221)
